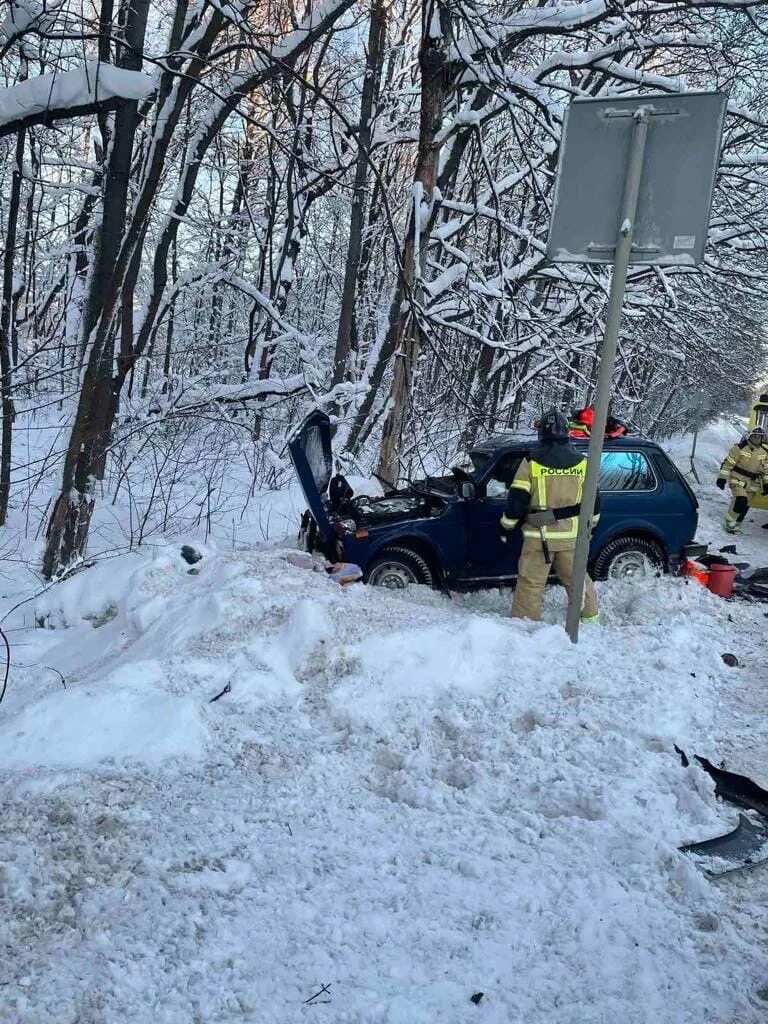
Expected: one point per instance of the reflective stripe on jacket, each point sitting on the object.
(746, 464)
(537, 487)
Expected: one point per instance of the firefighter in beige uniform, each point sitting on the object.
(745, 468)
(545, 498)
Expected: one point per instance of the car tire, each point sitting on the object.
(627, 558)
(397, 568)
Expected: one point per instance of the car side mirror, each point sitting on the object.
(467, 489)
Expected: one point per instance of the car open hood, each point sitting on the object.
(311, 454)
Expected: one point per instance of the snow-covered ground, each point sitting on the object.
(397, 802)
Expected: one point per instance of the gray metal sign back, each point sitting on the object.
(680, 163)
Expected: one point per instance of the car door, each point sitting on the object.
(488, 558)
(629, 489)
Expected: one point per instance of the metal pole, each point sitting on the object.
(699, 409)
(693, 452)
(607, 361)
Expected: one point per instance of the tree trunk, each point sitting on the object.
(68, 527)
(86, 453)
(7, 328)
(167, 386)
(434, 90)
(376, 38)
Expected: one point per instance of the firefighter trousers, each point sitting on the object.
(532, 573)
(741, 495)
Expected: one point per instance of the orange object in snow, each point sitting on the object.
(696, 571)
(721, 579)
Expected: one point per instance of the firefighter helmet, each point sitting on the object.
(757, 435)
(553, 426)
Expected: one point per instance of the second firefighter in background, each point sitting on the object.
(745, 469)
(544, 499)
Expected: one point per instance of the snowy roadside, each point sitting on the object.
(405, 798)
(741, 736)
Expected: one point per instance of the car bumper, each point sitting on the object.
(689, 551)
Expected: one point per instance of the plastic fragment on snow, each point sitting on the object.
(752, 584)
(744, 847)
(222, 693)
(683, 756)
(736, 789)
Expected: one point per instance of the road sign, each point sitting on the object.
(634, 185)
(681, 158)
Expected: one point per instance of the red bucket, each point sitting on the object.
(721, 579)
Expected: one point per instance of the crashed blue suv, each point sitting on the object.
(444, 531)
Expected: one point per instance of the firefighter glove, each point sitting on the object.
(506, 526)
(543, 517)
(721, 482)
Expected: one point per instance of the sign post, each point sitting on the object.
(607, 363)
(635, 185)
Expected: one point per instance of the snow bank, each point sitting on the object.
(122, 719)
(90, 595)
(405, 798)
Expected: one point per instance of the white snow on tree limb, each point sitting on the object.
(286, 47)
(21, 15)
(94, 82)
(554, 17)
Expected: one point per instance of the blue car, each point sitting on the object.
(444, 531)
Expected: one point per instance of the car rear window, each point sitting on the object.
(626, 471)
(665, 467)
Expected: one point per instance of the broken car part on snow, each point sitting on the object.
(744, 847)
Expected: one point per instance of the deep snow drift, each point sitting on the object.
(404, 799)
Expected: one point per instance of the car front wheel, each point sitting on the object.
(398, 568)
(629, 558)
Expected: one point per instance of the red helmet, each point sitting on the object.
(586, 416)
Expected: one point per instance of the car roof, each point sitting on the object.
(522, 440)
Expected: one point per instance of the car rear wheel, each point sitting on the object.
(629, 558)
(398, 568)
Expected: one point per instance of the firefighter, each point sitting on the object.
(582, 421)
(745, 469)
(544, 499)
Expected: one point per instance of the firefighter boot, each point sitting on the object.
(736, 513)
